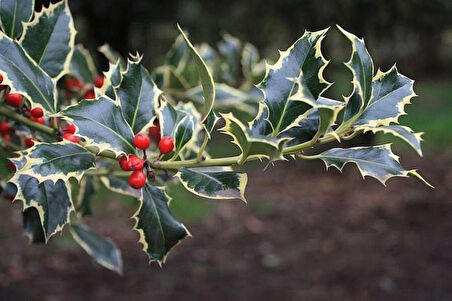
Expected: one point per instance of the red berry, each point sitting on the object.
(29, 142)
(137, 179)
(40, 120)
(166, 145)
(7, 137)
(4, 127)
(73, 84)
(36, 112)
(89, 94)
(71, 137)
(141, 141)
(1, 78)
(134, 163)
(154, 130)
(99, 81)
(13, 99)
(122, 162)
(68, 128)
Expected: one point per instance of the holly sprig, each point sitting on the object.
(66, 128)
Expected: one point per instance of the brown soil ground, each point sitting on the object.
(305, 235)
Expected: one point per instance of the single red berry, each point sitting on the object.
(137, 179)
(7, 137)
(99, 81)
(36, 112)
(141, 141)
(1, 78)
(13, 99)
(71, 137)
(73, 84)
(29, 142)
(68, 128)
(89, 94)
(4, 127)
(134, 163)
(40, 120)
(122, 162)
(154, 130)
(166, 144)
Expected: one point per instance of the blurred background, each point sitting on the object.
(305, 234)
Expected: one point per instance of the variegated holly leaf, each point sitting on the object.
(82, 65)
(392, 91)
(214, 182)
(210, 122)
(101, 123)
(250, 57)
(317, 123)
(252, 145)
(295, 81)
(230, 48)
(13, 13)
(169, 118)
(113, 56)
(52, 201)
(121, 186)
(260, 124)
(378, 162)
(177, 56)
(159, 231)
(402, 132)
(32, 226)
(56, 161)
(362, 68)
(205, 76)
(184, 133)
(103, 250)
(226, 98)
(86, 190)
(112, 80)
(25, 77)
(49, 39)
(138, 96)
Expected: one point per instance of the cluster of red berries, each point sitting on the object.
(68, 131)
(132, 163)
(75, 85)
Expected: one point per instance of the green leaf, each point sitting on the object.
(32, 226)
(207, 83)
(86, 190)
(51, 200)
(226, 98)
(55, 161)
(49, 39)
(252, 145)
(103, 250)
(169, 118)
(82, 65)
(292, 84)
(112, 56)
(402, 132)
(5, 170)
(121, 186)
(362, 68)
(13, 13)
(214, 182)
(159, 231)
(101, 124)
(375, 161)
(260, 124)
(138, 96)
(210, 122)
(392, 91)
(25, 77)
(184, 133)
